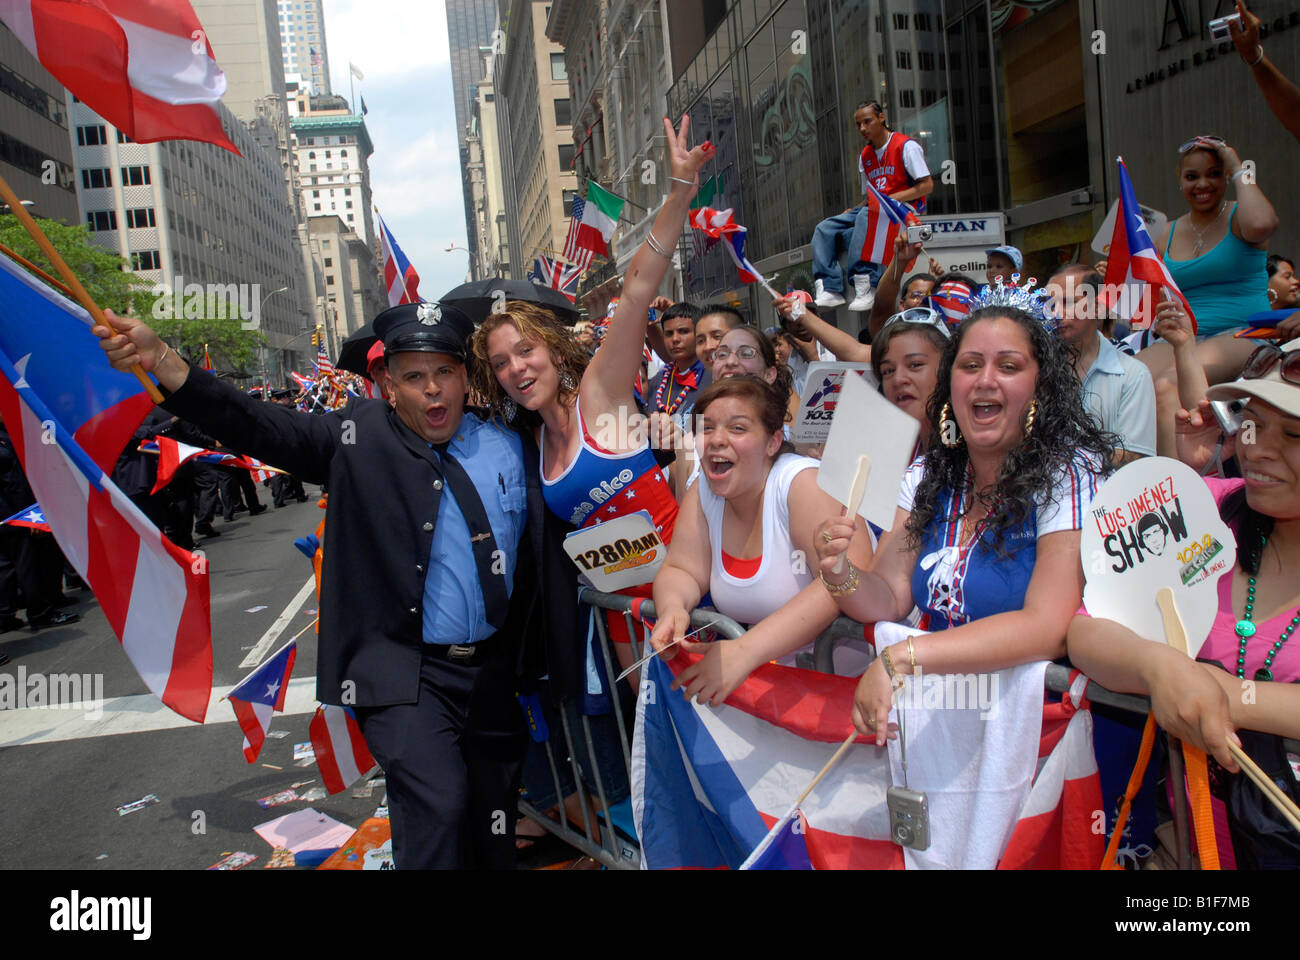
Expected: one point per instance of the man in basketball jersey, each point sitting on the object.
(895, 165)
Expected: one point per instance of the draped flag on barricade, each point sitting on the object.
(400, 278)
(260, 694)
(885, 218)
(715, 787)
(341, 753)
(1136, 274)
(557, 275)
(70, 414)
(146, 68)
(33, 518)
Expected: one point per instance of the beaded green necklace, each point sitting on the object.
(1245, 629)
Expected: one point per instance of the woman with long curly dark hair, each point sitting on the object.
(986, 539)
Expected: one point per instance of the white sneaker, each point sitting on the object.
(865, 296)
(825, 298)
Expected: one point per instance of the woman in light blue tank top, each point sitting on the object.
(1215, 253)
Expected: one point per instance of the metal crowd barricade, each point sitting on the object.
(619, 852)
(608, 847)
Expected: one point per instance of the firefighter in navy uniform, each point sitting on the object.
(429, 582)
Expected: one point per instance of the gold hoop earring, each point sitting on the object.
(949, 435)
(1029, 420)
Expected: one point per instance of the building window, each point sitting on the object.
(92, 136)
(123, 138)
(329, 261)
(136, 176)
(312, 155)
(141, 217)
(316, 208)
(315, 193)
(921, 22)
(557, 67)
(900, 21)
(567, 153)
(102, 220)
(348, 205)
(145, 260)
(928, 97)
(924, 60)
(568, 201)
(906, 100)
(904, 60)
(563, 116)
(96, 177)
(329, 281)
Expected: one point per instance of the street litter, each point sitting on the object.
(314, 794)
(301, 783)
(278, 734)
(102, 856)
(305, 762)
(233, 861)
(278, 799)
(135, 805)
(304, 750)
(272, 766)
(280, 858)
(261, 606)
(364, 791)
(381, 813)
(305, 829)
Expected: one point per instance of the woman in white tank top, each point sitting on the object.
(744, 535)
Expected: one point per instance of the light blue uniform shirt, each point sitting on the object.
(1118, 392)
(453, 601)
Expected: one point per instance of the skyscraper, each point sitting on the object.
(470, 25)
(302, 37)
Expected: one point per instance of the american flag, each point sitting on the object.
(324, 368)
(557, 275)
(579, 256)
(885, 218)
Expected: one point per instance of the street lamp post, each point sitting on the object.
(452, 246)
(266, 383)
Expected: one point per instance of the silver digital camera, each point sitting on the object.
(1219, 29)
(919, 233)
(909, 817)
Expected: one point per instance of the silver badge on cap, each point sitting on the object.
(429, 314)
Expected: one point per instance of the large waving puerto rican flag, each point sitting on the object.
(1135, 271)
(69, 415)
(885, 218)
(341, 753)
(721, 224)
(400, 278)
(260, 694)
(715, 787)
(145, 66)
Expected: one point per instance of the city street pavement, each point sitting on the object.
(65, 772)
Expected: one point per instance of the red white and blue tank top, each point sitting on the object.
(599, 486)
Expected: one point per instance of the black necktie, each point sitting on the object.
(496, 600)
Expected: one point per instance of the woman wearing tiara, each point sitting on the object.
(986, 538)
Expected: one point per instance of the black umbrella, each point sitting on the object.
(352, 354)
(479, 297)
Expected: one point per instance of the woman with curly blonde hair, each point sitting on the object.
(529, 366)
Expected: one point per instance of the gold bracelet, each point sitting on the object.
(840, 589)
(911, 654)
(888, 660)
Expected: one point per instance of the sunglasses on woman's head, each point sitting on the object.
(1266, 357)
(1195, 142)
(923, 315)
(744, 352)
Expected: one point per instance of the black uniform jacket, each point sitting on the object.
(378, 533)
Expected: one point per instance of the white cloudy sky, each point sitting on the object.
(401, 47)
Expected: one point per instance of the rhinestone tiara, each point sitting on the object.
(1017, 297)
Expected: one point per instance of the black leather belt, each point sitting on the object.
(465, 654)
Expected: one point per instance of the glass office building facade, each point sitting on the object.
(994, 90)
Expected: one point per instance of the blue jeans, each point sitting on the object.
(842, 231)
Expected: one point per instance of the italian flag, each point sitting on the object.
(599, 217)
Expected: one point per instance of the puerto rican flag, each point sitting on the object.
(715, 787)
(259, 695)
(33, 518)
(70, 415)
(400, 278)
(341, 752)
(1135, 272)
(721, 224)
(952, 298)
(885, 218)
(145, 66)
(173, 454)
(557, 275)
